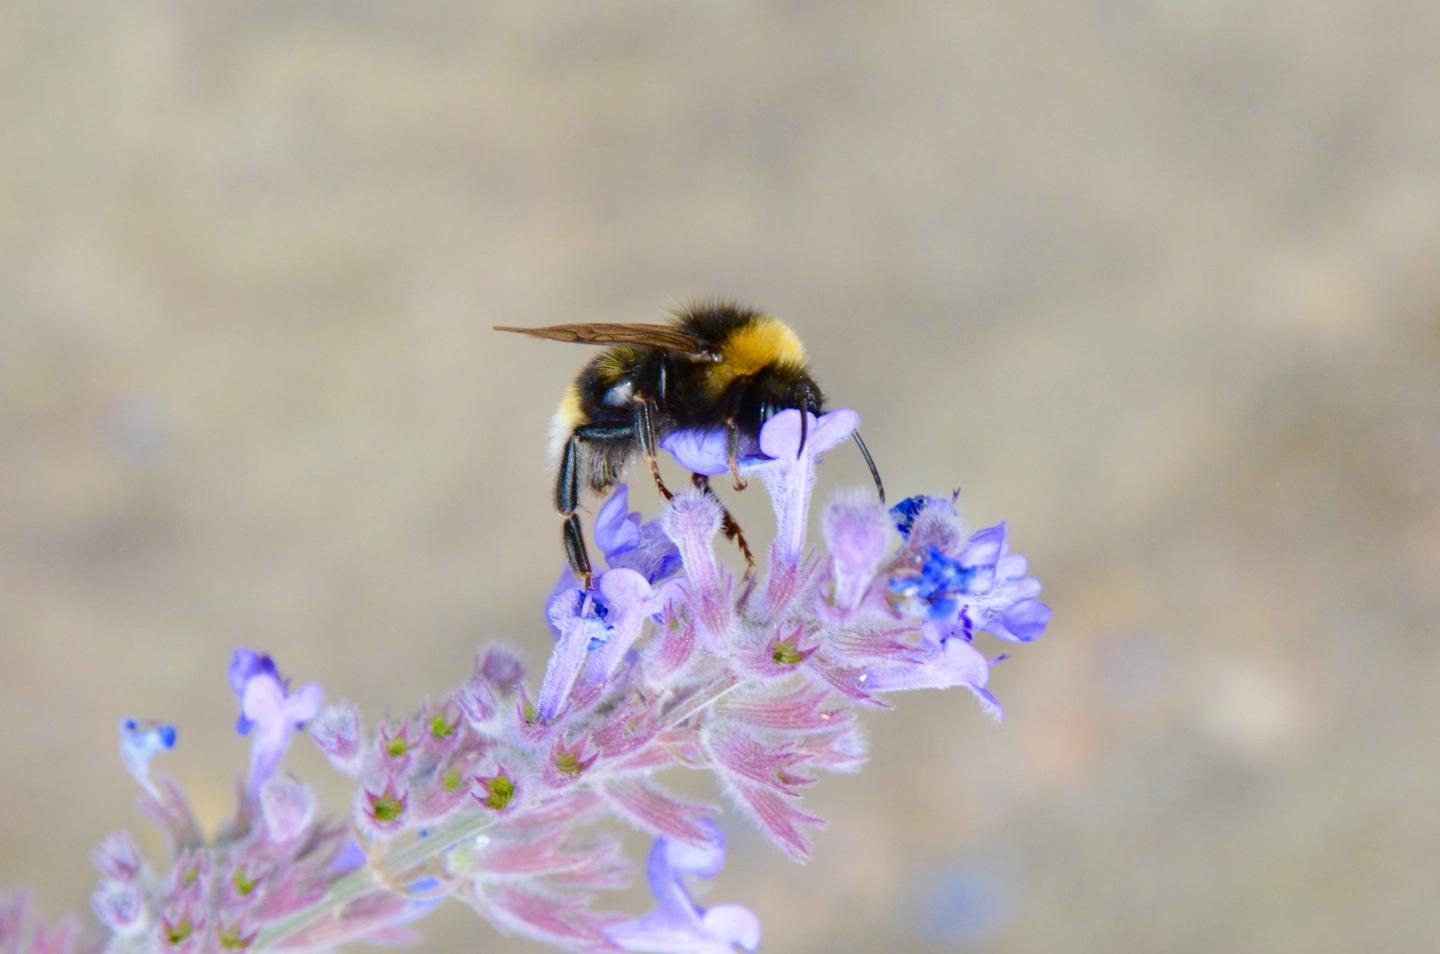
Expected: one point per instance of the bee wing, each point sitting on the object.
(665, 337)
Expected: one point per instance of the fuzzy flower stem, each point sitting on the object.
(366, 880)
(351, 887)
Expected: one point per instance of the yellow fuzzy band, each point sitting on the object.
(763, 342)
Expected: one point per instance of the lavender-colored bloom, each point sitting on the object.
(246, 664)
(790, 475)
(944, 662)
(858, 535)
(140, 741)
(579, 619)
(631, 542)
(678, 925)
(120, 906)
(23, 931)
(267, 706)
(287, 807)
(1002, 600)
(937, 588)
(118, 857)
(271, 859)
(692, 520)
(617, 530)
(629, 600)
(336, 730)
(983, 586)
(628, 542)
(708, 451)
(666, 661)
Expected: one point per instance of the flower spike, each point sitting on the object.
(482, 794)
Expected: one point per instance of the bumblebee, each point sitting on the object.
(713, 366)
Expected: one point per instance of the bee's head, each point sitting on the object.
(780, 389)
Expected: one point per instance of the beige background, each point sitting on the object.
(1155, 281)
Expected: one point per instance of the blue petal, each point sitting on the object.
(700, 452)
(983, 547)
(616, 529)
(1026, 620)
(905, 512)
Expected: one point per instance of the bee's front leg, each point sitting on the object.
(732, 435)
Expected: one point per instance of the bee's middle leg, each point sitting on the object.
(728, 523)
(649, 443)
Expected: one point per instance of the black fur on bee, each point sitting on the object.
(713, 366)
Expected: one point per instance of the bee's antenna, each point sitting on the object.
(870, 462)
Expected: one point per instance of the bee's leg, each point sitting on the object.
(649, 443)
(732, 445)
(575, 550)
(732, 438)
(728, 523)
(567, 498)
(567, 493)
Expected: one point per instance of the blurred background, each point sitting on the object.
(1156, 282)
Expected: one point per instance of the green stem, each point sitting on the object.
(366, 880)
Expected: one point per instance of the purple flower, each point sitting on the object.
(692, 520)
(790, 475)
(246, 664)
(120, 906)
(667, 661)
(140, 741)
(336, 730)
(937, 587)
(287, 807)
(23, 931)
(118, 857)
(858, 535)
(1002, 598)
(678, 925)
(943, 662)
(708, 451)
(578, 617)
(628, 542)
(983, 586)
(267, 706)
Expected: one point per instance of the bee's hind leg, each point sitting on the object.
(728, 523)
(567, 498)
(567, 493)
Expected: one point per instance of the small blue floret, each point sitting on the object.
(905, 512)
(941, 584)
